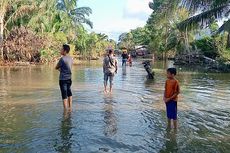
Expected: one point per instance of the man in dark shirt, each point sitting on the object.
(64, 66)
(124, 58)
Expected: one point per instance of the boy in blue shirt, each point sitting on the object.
(64, 66)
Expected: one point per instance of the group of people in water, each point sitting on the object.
(110, 68)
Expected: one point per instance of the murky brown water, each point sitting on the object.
(132, 119)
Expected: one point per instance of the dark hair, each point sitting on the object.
(172, 71)
(66, 48)
(110, 51)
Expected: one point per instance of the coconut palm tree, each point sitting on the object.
(46, 18)
(73, 17)
(77, 14)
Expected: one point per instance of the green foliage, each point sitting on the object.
(60, 37)
(60, 21)
(92, 45)
(48, 55)
(207, 46)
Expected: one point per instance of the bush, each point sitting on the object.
(207, 46)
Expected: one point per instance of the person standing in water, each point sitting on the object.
(172, 90)
(109, 69)
(124, 58)
(130, 61)
(64, 66)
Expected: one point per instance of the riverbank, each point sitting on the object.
(202, 62)
(15, 64)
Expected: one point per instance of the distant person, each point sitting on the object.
(124, 58)
(64, 66)
(130, 61)
(109, 69)
(172, 90)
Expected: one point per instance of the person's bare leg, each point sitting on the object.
(111, 84)
(105, 87)
(65, 103)
(110, 89)
(70, 101)
(169, 124)
(175, 124)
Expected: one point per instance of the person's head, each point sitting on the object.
(65, 49)
(171, 73)
(111, 51)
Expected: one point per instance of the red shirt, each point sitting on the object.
(171, 88)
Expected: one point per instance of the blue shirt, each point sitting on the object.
(65, 64)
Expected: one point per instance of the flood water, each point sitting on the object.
(132, 119)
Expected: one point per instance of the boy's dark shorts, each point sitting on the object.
(171, 108)
(65, 86)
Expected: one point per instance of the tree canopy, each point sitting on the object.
(58, 21)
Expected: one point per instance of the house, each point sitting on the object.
(141, 50)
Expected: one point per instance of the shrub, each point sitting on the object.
(207, 46)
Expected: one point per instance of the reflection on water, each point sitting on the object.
(64, 145)
(109, 117)
(170, 142)
(124, 70)
(132, 119)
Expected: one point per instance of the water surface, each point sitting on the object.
(132, 119)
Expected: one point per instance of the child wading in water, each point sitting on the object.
(172, 90)
(64, 66)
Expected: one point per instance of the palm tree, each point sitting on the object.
(10, 11)
(73, 17)
(46, 18)
(78, 15)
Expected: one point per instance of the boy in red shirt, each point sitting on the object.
(172, 90)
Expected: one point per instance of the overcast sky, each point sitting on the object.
(114, 17)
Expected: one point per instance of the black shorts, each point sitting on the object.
(65, 86)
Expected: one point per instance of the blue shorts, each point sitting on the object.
(108, 77)
(171, 108)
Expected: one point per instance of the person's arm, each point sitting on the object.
(104, 66)
(58, 66)
(177, 92)
(164, 98)
(116, 65)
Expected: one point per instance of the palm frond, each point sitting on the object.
(225, 27)
(197, 5)
(203, 17)
(20, 12)
(82, 10)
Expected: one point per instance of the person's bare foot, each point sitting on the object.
(105, 91)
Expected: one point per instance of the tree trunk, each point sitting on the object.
(166, 42)
(187, 45)
(1, 35)
(228, 41)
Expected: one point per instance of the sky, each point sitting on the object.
(114, 17)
